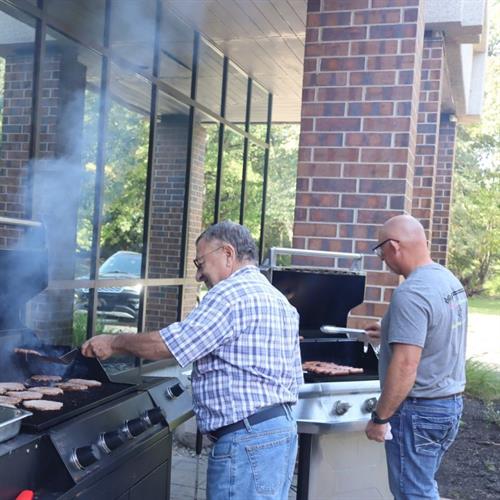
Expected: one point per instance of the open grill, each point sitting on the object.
(332, 411)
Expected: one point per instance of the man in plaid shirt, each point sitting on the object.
(243, 342)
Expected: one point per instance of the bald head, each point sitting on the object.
(405, 228)
(406, 247)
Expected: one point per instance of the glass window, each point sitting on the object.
(168, 188)
(176, 53)
(133, 31)
(209, 81)
(64, 182)
(254, 184)
(17, 36)
(83, 19)
(280, 200)
(208, 132)
(258, 111)
(232, 168)
(236, 96)
(125, 170)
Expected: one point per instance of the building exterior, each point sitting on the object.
(122, 123)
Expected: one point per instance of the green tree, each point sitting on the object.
(475, 218)
(282, 175)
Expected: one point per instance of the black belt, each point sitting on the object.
(256, 418)
(450, 396)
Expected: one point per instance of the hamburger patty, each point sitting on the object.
(46, 378)
(42, 405)
(82, 381)
(9, 400)
(25, 395)
(12, 386)
(48, 391)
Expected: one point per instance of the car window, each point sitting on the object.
(121, 262)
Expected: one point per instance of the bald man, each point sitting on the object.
(422, 361)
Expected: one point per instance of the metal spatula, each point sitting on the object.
(68, 357)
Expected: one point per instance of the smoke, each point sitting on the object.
(60, 184)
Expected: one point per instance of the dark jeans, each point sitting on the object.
(422, 429)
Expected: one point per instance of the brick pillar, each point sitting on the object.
(168, 191)
(16, 134)
(56, 172)
(427, 130)
(443, 190)
(358, 130)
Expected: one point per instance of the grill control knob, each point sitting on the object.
(153, 417)
(85, 456)
(369, 405)
(341, 407)
(109, 441)
(134, 427)
(174, 392)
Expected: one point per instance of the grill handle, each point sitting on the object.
(356, 258)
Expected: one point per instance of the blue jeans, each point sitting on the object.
(422, 429)
(254, 463)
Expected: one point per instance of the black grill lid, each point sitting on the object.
(322, 297)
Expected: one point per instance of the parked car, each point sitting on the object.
(116, 303)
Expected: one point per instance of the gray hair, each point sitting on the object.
(236, 235)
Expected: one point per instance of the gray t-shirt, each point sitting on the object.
(429, 309)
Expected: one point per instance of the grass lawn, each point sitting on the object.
(484, 305)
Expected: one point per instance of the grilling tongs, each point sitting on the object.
(350, 333)
(65, 359)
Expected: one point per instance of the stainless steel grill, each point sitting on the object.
(109, 442)
(336, 460)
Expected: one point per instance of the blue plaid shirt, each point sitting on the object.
(243, 340)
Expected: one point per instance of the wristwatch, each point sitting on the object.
(377, 420)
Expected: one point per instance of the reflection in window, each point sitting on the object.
(209, 130)
(253, 194)
(83, 19)
(125, 167)
(176, 53)
(258, 111)
(168, 189)
(16, 81)
(280, 201)
(133, 32)
(209, 81)
(232, 168)
(236, 95)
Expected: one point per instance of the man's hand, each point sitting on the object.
(100, 346)
(373, 332)
(376, 432)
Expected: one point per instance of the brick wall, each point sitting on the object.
(16, 134)
(443, 190)
(427, 130)
(358, 129)
(168, 191)
(54, 191)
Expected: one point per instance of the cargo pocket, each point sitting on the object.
(269, 463)
(433, 435)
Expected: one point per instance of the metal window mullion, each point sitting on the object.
(36, 110)
(100, 177)
(124, 64)
(245, 152)
(220, 152)
(187, 178)
(141, 316)
(265, 176)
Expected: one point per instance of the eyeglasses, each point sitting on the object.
(378, 249)
(198, 263)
